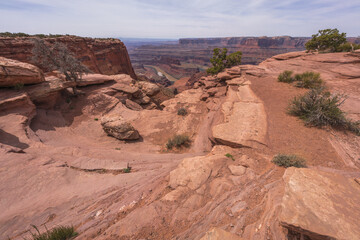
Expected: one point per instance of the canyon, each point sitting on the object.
(182, 58)
(99, 160)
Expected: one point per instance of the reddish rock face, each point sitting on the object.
(13, 72)
(105, 56)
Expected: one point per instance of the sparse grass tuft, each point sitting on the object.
(127, 170)
(228, 155)
(96, 119)
(308, 80)
(117, 148)
(182, 112)
(286, 161)
(57, 233)
(178, 141)
(286, 77)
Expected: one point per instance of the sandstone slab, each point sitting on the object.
(40, 92)
(13, 72)
(195, 171)
(91, 79)
(126, 88)
(244, 119)
(321, 205)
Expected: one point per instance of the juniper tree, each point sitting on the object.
(58, 57)
(221, 60)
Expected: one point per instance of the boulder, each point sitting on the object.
(219, 234)
(148, 88)
(224, 76)
(320, 205)
(132, 105)
(123, 78)
(209, 84)
(13, 72)
(194, 172)
(117, 127)
(122, 87)
(42, 92)
(91, 79)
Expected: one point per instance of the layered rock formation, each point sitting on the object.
(105, 56)
(13, 72)
(59, 167)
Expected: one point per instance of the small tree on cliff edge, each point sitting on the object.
(221, 60)
(326, 40)
(58, 57)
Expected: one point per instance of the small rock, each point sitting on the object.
(148, 88)
(237, 170)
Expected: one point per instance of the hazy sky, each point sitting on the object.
(179, 18)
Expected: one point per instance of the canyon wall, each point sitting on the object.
(105, 56)
(249, 42)
(194, 53)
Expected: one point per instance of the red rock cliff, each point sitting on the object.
(105, 56)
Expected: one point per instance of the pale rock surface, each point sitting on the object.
(13, 72)
(237, 170)
(91, 79)
(244, 119)
(193, 172)
(123, 87)
(320, 204)
(148, 88)
(219, 234)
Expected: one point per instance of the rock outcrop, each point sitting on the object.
(224, 182)
(13, 73)
(104, 56)
(244, 118)
(320, 205)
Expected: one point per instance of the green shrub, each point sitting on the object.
(19, 86)
(308, 80)
(228, 155)
(127, 170)
(57, 233)
(348, 47)
(321, 108)
(221, 60)
(326, 40)
(286, 161)
(96, 119)
(182, 112)
(20, 34)
(178, 141)
(286, 77)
